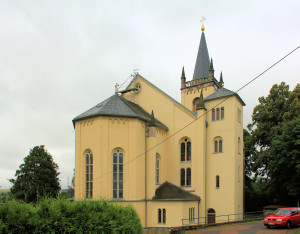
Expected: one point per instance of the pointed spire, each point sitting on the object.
(183, 73)
(211, 65)
(202, 62)
(221, 82)
(152, 120)
(200, 104)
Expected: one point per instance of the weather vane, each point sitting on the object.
(202, 21)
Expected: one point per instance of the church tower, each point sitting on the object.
(203, 78)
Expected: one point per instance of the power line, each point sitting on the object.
(138, 156)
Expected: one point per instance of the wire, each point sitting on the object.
(138, 156)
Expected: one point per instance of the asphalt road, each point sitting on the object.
(251, 228)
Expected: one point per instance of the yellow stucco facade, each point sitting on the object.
(174, 166)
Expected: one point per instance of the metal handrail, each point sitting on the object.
(221, 219)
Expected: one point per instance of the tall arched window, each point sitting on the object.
(182, 177)
(222, 113)
(164, 216)
(159, 215)
(195, 102)
(213, 115)
(117, 174)
(218, 145)
(186, 150)
(157, 169)
(218, 113)
(217, 181)
(89, 174)
(188, 177)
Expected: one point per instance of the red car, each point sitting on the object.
(283, 217)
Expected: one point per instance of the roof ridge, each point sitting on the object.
(178, 103)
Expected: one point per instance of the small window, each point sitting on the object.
(222, 113)
(217, 181)
(195, 102)
(159, 215)
(157, 169)
(192, 215)
(213, 116)
(218, 113)
(164, 216)
(188, 177)
(182, 177)
(239, 115)
(218, 145)
(239, 145)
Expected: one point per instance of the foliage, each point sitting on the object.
(59, 215)
(37, 176)
(284, 168)
(267, 122)
(273, 149)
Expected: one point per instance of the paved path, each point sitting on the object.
(251, 228)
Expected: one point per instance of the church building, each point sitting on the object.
(175, 163)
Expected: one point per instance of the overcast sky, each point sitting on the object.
(60, 58)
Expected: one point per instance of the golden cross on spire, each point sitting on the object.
(202, 21)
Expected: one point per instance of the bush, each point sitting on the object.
(60, 215)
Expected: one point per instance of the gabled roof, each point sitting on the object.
(220, 93)
(169, 191)
(172, 99)
(121, 107)
(202, 62)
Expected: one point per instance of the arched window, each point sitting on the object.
(211, 216)
(218, 113)
(117, 174)
(217, 181)
(213, 115)
(185, 150)
(182, 177)
(222, 113)
(195, 102)
(159, 215)
(218, 145)
(89, 174)
(182, 151)
(157, 169)
(188, 177)
(164, 216)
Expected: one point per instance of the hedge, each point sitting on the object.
(60, 215)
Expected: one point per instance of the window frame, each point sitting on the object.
(217, 181)
(118, 174)
(185, 150)
(89, 174)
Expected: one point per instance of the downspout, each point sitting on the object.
(146, 205)
(206, 125)
(198, 211)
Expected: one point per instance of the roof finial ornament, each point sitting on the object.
(117, 87)
(202, 21)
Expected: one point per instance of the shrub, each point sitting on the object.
(60, 215)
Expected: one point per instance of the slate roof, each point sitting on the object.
(220, 93)
(169, 191)
(121, 107)
(202, 62)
